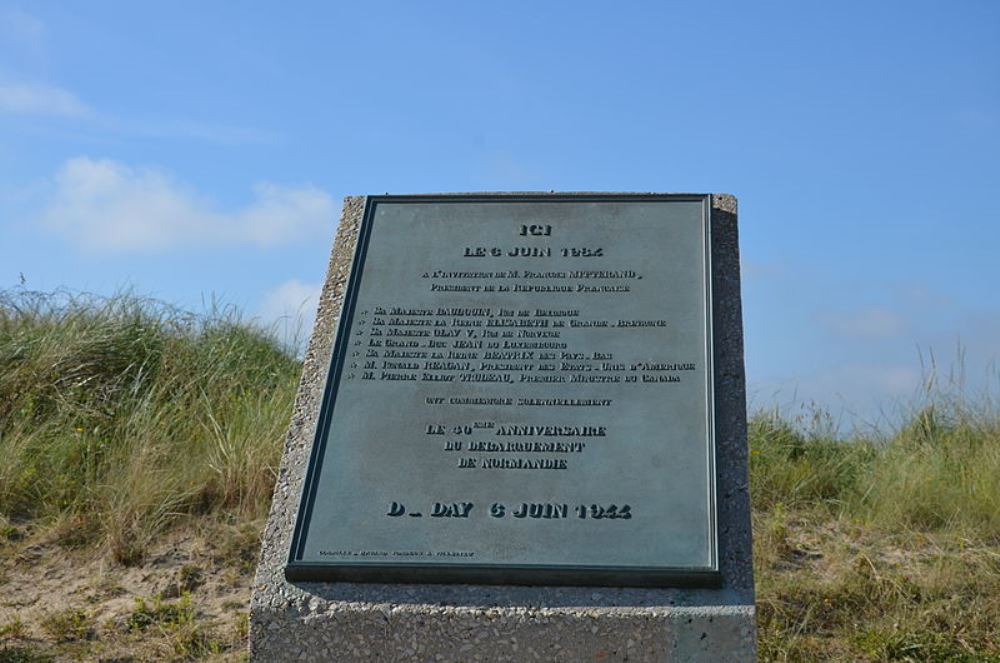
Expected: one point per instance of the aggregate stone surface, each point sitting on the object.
(306, 621)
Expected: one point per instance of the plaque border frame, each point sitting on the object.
(501, 574)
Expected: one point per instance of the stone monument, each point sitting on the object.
(520, 435)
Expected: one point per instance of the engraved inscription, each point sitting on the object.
(533, 382)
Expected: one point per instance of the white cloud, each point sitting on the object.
(921, 297)
(874, 322)
(505, 170)
(170, 129)
(291, 308)
(108, 206)
(753, 270)
(35, 99)
(24, 52)
(21, 30)
(38, 99)
(855, 394)
(977, 119)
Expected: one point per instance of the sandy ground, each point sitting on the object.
(187, 599)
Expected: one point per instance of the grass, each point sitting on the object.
(123, 418)
(68, 624)
(178, 624)
(22, 655)
(119, 416)
(879, 548)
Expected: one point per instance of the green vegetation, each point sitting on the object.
(120, 417)
(123, 419)
(13, 629)
(22, 655)
(159, 612)
(178, 623)
(68, 624)
(879, 549)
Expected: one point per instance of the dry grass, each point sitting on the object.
(882, 548)
(122, 416)
(124, 421)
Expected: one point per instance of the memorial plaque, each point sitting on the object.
(521, 391)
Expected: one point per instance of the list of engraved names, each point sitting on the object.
(520, 379)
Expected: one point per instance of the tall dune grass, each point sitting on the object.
(121, 415)
(939, 471)
(883, 547)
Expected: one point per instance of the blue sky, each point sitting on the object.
(193, 150)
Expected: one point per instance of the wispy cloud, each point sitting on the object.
(854, 394)
(291, 308)
(43, 100)
(922, 297)
(977, 119)
(21, 31)
(755, 270)
(506, 170)
(168, 129)
(23, 50)
(36, 99)
(873, 322)
(107, 206)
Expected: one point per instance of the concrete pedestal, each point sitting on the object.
(343, 622)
